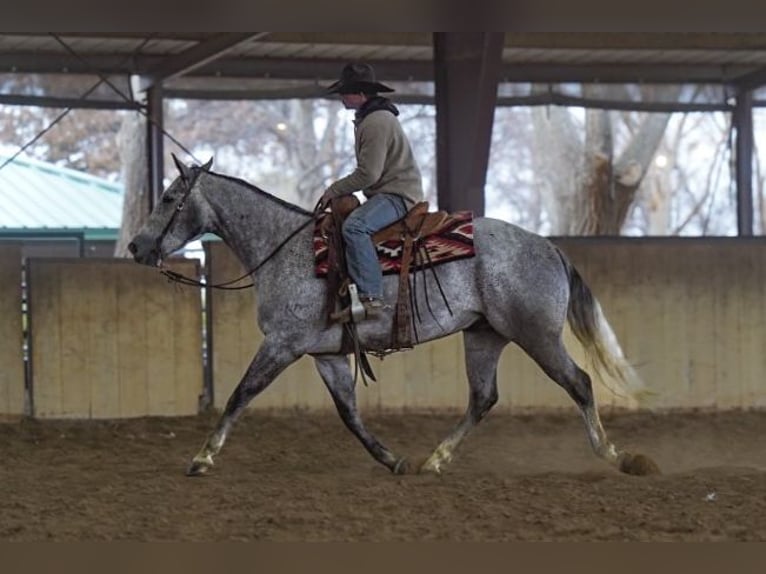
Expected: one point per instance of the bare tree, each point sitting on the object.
(288, 147)
(81, 139)
(586, 185)
(135, 178)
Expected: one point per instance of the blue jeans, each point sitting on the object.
(378, 212)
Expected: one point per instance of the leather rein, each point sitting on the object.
(226, 285)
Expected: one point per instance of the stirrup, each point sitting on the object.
(358, 311)
(370, 310)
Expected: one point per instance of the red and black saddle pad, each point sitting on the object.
(452, 241)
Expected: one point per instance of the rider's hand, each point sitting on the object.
(324, 201)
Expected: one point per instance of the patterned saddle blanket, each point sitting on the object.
(451, 241)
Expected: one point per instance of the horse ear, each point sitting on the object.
(208, 164)
(182, 167)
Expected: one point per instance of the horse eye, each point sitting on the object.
(167, 199)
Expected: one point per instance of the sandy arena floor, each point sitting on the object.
(304, 477)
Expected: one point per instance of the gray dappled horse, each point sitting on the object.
(518, 288)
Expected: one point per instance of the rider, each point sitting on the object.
(386, 173)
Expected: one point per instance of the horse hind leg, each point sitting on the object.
(482, 346)
(553, 358)
(336, 374)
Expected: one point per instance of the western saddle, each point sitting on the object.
(416, 224)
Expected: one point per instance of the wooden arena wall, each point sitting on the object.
(690, 315)
(11, 333)
(111, 339)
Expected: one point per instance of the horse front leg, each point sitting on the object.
(271, 359)
(336, 374)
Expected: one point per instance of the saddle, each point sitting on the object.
(417, 223)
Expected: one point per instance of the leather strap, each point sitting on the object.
(402, 328)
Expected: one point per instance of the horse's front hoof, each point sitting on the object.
(199, 467)
(402, 466)
(637, 465)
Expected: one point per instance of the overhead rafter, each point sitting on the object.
(66, 102)
(751, 80)
(422, 71)
(393, 70)
(196, 56)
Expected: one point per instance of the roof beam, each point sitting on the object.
(197, 56)
(751, 80)
(544, 99)
(64, 102)
(296, 93)
(323, 69)
(60, 63)
(618, 73)
(422, 70)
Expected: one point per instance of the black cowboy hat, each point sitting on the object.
(357, 78)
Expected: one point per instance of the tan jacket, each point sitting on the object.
(384, 160)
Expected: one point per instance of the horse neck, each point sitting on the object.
(250, 221)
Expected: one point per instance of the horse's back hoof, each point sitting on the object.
(638, 465)
(432, 465)
(198, 468)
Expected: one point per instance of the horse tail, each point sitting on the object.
(589, 325)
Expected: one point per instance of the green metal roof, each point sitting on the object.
(39, 197)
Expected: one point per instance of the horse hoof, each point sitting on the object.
(402, 466)
(638, 465)
(430, 467)
(198, 468)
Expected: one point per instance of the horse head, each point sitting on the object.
(175, 220)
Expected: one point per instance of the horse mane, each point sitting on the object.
(251, 187)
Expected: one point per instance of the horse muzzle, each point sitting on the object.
(145, 251)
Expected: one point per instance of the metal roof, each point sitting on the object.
(41, 197)
(314, 58)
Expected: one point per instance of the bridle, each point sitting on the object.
(189, 183)
(226, 285)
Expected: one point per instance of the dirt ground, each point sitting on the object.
(305, 478)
